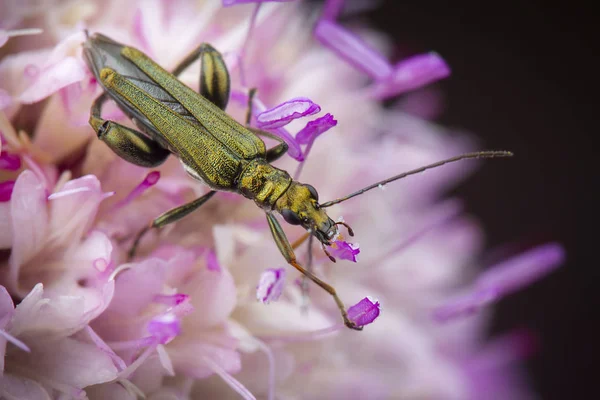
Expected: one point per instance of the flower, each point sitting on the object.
(181, 319)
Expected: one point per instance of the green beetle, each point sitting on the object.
(212, 147)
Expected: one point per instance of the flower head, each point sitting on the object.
(186, 313)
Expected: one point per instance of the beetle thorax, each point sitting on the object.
(263, 183)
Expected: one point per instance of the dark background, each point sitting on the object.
(525, 78)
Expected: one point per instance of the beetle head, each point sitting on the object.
(299, 205)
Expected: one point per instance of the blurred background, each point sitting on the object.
(525, 78)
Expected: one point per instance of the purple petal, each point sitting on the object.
(286, 112)
(522, 270)
(353, 49)
(229, 3)
(345, 251)
(503, 279)
(309, 133)
(410, 74)
(270, 285)
(364, 312)
(164, 327)
(294, 150)
(10, 162)
(6, 189)
(315, 128)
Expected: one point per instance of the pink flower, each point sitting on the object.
(182, 319)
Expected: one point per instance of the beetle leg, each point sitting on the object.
(288, 253)
(304, 283)
(127, 143)
(168, 217)
(214, 77)
(274, 152)
(249, 110)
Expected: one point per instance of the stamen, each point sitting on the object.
(149, 181)
(126, 373)
(101, 344)
(10, 338)
(170, 300)
(5, 35)
(229, 380)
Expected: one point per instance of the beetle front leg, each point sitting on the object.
(174, 214)
(214, 76)
(127, 143)
(288, 253)
(276, 152)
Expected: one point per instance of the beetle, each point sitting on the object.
(212, 147)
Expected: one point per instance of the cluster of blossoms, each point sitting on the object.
(182, 319)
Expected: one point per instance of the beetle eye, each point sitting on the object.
(291, 217)
(313, 192)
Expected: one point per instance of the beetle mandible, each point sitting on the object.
(212, 147)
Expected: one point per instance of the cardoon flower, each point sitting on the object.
(205, 310)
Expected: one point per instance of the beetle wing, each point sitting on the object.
(102, 52)
(209, 159)
(228, 131)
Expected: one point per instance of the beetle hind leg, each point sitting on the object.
(127, 143)
(215, 83)
(168, 217)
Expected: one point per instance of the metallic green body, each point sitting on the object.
(212, 146)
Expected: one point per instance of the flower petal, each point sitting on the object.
(29, 223)
(70, 362)
(503, 279)
(7, 307)
(294, 150)
(286, 112)
(74, 208)
(345, 250)
(410, 74)
(270, 285)
(136, 287)
(187, 355)
(315, 128)
(213, 296)
(38, 315)
(53, 78)
(353, 49)
(17, 387)
(364, 312)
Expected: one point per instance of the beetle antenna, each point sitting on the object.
(350, 231)
(479, 154)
